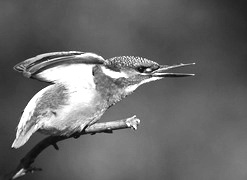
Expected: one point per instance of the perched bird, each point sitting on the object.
(83, 86)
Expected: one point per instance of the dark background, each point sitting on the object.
(191, 128)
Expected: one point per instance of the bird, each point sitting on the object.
(82, 86)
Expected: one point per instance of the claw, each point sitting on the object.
(108, 131)
(55, 146)
(76, 135)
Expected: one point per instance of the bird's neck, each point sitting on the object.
(112, 90)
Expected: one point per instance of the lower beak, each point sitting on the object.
(162, 71)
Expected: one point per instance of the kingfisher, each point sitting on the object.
(83, 85)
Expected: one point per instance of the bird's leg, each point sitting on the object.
(76, 135)
(108, 131)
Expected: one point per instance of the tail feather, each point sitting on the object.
(22, 138)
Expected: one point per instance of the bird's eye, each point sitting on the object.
(143, 69)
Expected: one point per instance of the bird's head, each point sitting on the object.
(135, 71)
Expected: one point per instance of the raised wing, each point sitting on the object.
(58, 66)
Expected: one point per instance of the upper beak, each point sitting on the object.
(162, 71)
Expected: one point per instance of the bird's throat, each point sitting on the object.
(111, 90)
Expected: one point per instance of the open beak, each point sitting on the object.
(162, 71)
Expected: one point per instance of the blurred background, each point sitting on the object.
(191, 128)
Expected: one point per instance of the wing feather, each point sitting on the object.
(52, 67)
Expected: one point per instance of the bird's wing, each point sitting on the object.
(58, 66)
(42, 108)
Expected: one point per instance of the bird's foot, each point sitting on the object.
(76, 135)
(109, 131)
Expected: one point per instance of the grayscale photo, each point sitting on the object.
(123, 90)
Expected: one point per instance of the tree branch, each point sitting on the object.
(25, 167)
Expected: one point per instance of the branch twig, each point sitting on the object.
(25, 167)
